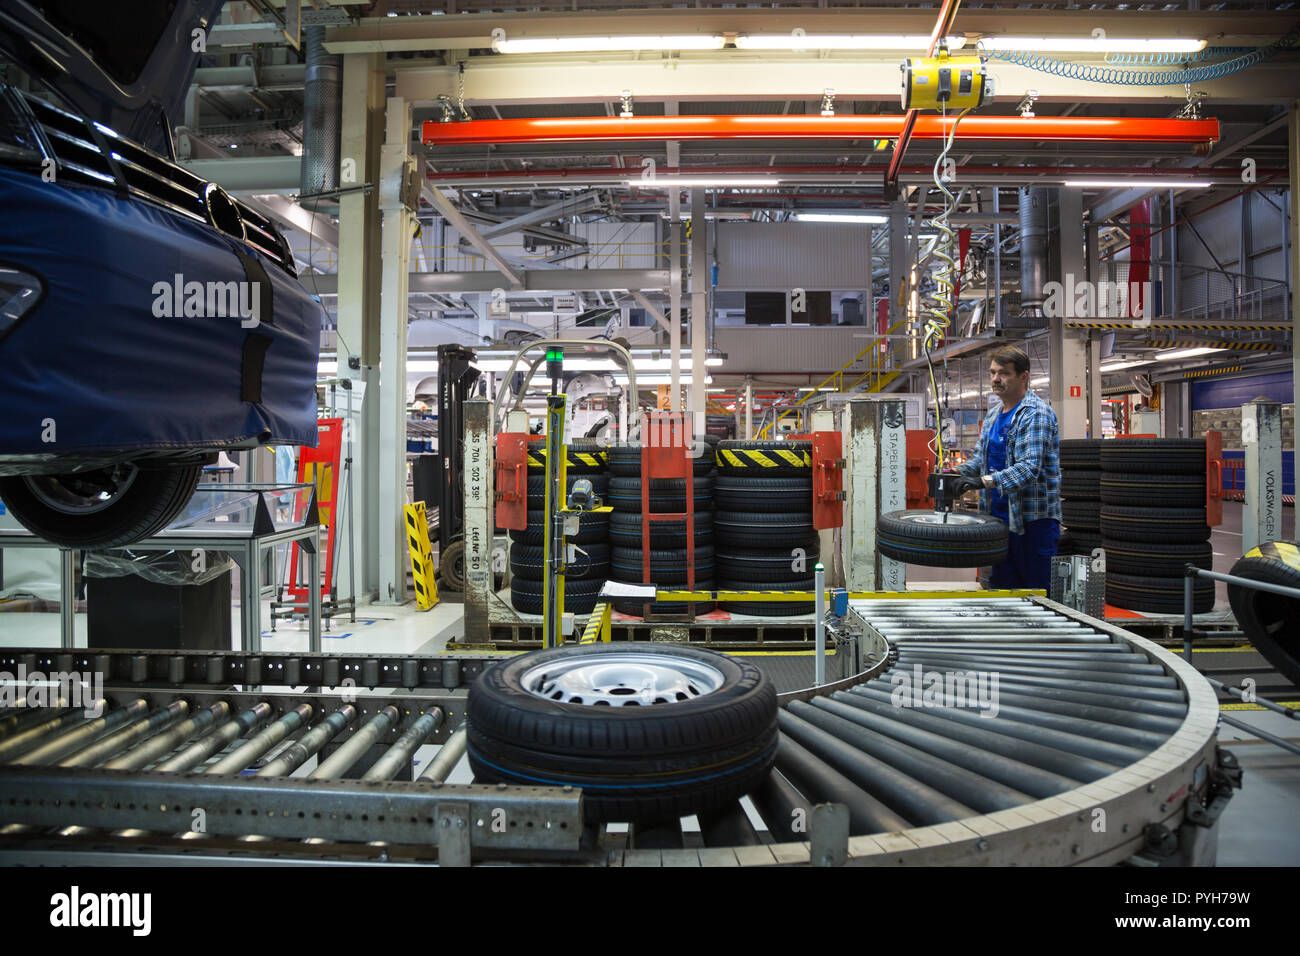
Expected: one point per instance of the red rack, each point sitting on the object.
(665, 453)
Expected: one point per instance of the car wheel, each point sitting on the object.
(105, 508)
(648, 731)
(935, 539)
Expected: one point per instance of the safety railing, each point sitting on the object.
(1193, 293)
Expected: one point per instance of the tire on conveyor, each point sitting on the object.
(654, 761)
(920, 537)
(1271, 621)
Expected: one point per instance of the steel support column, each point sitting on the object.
(358, 310)
(396, 165)
(699, 310)
(1261, 436)
(1093, 390)
(479, 519)
(1068, 352)
(898, 270)
(674, 278)
(875, 443)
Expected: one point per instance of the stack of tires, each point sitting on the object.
(1080, 496)
(764, 529)
(668, 553)
(1153, 523)
(584, 578)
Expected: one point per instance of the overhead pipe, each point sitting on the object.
(565, 129)
(322, 123)
(1034, 203)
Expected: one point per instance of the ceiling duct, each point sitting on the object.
(322, 122)
(1034, 202)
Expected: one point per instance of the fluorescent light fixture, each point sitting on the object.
(1038, 382)
(839, 217)
(1184, 354)
(1117, 366)
(708, 182)
(1139, 182)
(841, 41)
(658, 379)
(1093, 44)
(607, 44)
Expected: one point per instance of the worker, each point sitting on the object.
(1018, 467)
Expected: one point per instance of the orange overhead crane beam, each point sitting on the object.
(1102, 129)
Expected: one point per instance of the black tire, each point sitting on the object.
(1155, 559)
(919, 537)
(743, 493)
(1081, 515)
(586, 456)
(625, 531)
(625, 459)
(526, 562)
(145, 505)
(637, 608)
(667, 495)
(1078, 542)
(1165, 491)
(768, 459)
(580, 596)
(777, 565)
(592, 527)
(1154, 456)
(666, 566)
(537, 488)
(1081, 453)
(451, 566)
(1271, 621)
(1130, 523)
(635, 764)
(767, 608)
(1081, 485)
(1156, 595)
(754, 529)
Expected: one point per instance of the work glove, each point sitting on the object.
(962, 484)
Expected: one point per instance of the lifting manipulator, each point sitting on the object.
(947, 486)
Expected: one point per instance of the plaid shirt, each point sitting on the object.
(1031, 481)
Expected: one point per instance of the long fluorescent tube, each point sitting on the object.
(840, 41)
(658, 379)
(1117, 366)
(607, 44)
(712, 182)
(1140, 182)
(1184, 354)
(839, 217)
(1093, 44)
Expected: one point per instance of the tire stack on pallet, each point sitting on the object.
(1153, 523)
(1080, 496)
(766, 540)
(583, 579)
(668, 555)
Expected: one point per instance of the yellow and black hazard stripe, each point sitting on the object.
(1288, 554)
(537, 458)
(422, 568)
(1207, 372)
(782, 458)
(1161, 325)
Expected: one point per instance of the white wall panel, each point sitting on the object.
(763, 256)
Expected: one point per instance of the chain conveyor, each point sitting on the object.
(985, 730)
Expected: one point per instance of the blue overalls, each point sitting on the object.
(1029, 555)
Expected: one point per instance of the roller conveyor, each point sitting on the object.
(1035, 735)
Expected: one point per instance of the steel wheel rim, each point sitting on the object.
(77, 494)
(623, 680)
(951, 518)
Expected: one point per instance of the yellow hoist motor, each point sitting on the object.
(945, 82)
